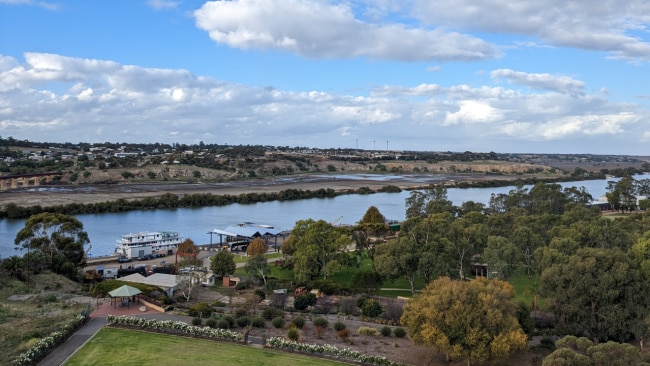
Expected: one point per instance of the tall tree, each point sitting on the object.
(258, 267)
(473, 321)
(60, 237)
(223, 263)
(600, 292)
(621, 194)
(317, 248)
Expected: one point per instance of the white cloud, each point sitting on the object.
(318, 29)
(162, 4)
(607, 25)
(55, 98)
(560, 84)
(42, 4)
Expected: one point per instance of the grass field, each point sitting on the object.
(114, 346)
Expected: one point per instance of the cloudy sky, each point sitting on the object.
(551, 76)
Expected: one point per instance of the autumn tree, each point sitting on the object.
(257, 247)
(600, 292)
(222, 263)
(59, 237)
(470, 320)
(317, 249)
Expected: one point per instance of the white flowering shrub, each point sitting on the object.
(329, 350)
(174, 327)
(47, 344)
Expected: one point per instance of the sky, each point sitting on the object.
(509, 76)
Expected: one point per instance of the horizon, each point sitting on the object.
(414, 75)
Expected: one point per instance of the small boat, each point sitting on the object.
(147, 243)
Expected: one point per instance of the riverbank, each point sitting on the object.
(46, 196)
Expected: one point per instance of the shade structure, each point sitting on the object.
(124, 291)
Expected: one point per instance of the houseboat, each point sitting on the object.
(146, 243)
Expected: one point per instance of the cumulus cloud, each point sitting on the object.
(607, 25)
(51, 97)
(319, 29)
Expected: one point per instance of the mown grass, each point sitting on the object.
(114, 346)
(526, 288)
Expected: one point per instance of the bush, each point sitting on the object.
(399, 332)
(196, 321)
(360, 301)
(270, 313)
(368, 331)
(201, 309)
(243, 285)
(230, 319)
(211, 322)
(261, 294)
(371, 308)
(338, 326)
(258, 322)
(243, 321)
(385, 331)
(302, 302)
(298, 321)
(343, 334)
(223, 324)
(548, 343)
(240, 312)
(319, 321)
(278, 322)
(292, 334)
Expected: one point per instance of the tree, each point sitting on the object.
(257, 247)
(317, 248)
(257, 266)
(473, 320)
(372, 224)
(187, 246)
(599, 292)
(223, 263)
(500, 255)
(60, 237)
(527, 242)
(621, 194)
(581, 351)
(367, 282)
(398, 257)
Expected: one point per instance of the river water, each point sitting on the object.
(195, 223)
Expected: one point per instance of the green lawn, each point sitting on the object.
(114, 346)
(526, 288)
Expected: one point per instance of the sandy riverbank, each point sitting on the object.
(84, 194)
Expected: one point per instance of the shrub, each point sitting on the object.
(196, 321)
(548, 343)
(258, 322)
(385, 331)
(371, 309)
(399, 332)
(344, 334)
(292, 334)
(302, 302)
(201, 309)
(220, 304)
(243, 285)
(270, 313)
(360, 301)
(243, 321)
(319, 321)
(211, 322)
(338, 326)
(230, 319)
(223, 324)
(298, 321)
(261, 294)
(368, 331)
(240, 312)
(278, 322)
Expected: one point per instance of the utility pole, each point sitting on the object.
(386, 145)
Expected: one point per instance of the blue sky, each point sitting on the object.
(477, 75)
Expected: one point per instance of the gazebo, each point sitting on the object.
(123, 292)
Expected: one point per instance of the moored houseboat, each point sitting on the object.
(147, 243)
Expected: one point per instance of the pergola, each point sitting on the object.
(123, 292)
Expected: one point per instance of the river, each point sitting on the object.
(195, 223)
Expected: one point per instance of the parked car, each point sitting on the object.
(123, 259)
(145, 257)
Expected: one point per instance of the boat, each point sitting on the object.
(147, 243)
